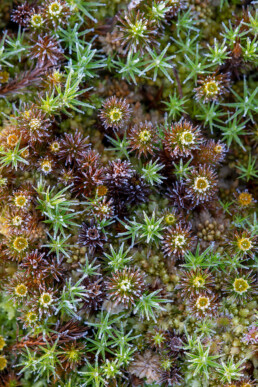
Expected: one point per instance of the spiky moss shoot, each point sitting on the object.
(73, 148)
(3, 362)
(2, 342)
(88, 178)
(174, 344)
(46, 299)
(115, 113)
(136, 190)
(118, 172)
(203, 305)
(95, 291)
(33, 124)
(35, 264)
(212, 87)
(142, 139)
(243, 243)
(72, 355)
(170, 377)
(202, 184)
(36, 20)
(66, 176)
(126, 286)
(91, 236)
(157, 338)
(46, 49)
(157, 10)
(181, 139)
(211, 153)
(21, 15)
(10, 379)
(177, 241)
(241, 286)
(195, 282)
(118, 175)
(166, 364)
(137, 31)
